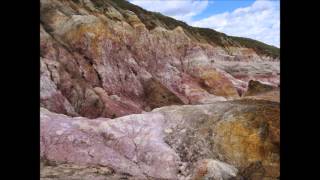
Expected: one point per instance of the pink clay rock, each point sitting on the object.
(168, 142)
(103, 44)
(131, 94)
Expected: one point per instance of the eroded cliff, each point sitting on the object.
(131, 94)
(100, 59)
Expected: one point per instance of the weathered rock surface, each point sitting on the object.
(258, 90)
(265, 72)
(222, 140)
(273, 95)
(108, 58)
(77, 172)
(213, 169)
(256, 87)
(131, 94)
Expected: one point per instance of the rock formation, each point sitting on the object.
(172, 142)
(131, 94)
(105, 45)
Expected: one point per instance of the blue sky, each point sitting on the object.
(256, 19)
(221, 6)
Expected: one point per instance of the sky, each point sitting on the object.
(255, 19)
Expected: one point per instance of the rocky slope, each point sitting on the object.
(99, 59)
(131, 94)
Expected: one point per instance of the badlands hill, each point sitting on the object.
(132, 94)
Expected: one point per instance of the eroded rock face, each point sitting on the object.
(256, 87)
(158, 95)
(50, 96)
(213, 169)
(90, 45)
(258, 90)
(218, 140)
(127, 97)
(72, 171)
(264, 71)
(133, 144)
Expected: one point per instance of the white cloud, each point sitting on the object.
(179, 9)
(260, 21)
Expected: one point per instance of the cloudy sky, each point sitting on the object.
(256, 19)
